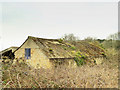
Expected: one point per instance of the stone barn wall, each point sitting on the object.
(63, 61)
(38, 58)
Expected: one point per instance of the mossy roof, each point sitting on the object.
(53, 48)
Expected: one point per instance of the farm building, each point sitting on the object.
(45, 53)
(8, 53)
(39, 52)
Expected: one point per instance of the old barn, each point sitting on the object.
(39, 52)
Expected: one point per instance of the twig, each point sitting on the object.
(7, 84)
(38, 84)
(10, 77)
(18, 81)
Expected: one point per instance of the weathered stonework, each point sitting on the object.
(38, 58)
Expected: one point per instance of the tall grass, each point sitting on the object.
(98, 76)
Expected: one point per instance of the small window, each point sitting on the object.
(27, 53)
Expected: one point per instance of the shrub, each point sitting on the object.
(111, 44)
(79, 59)
(70, 37)
(60, 40)
(83, 57)
(73, 48)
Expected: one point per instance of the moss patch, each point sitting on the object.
(80, 59)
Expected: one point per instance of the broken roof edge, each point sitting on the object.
(42, 38)
(7, 49)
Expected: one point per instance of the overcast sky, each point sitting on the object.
(54, 19)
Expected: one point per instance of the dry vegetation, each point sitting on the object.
(103, 74)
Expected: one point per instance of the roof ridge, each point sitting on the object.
(13, 47)
(42, 38)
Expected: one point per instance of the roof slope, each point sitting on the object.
(54, 48)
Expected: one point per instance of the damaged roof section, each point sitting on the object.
(8, 49)
(59, 49)
(8, 52)
(53, 48)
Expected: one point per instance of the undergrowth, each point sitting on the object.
(104, 75)
(18, 76)
(79, 58)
